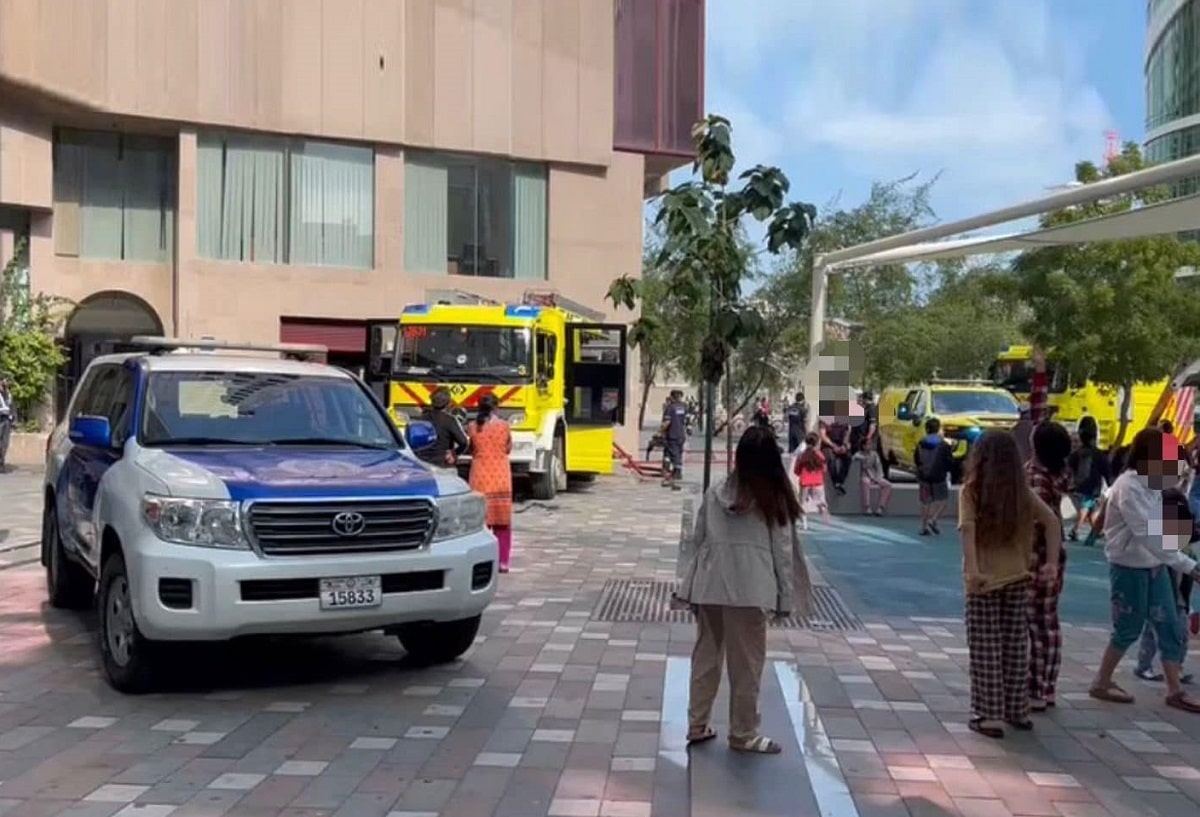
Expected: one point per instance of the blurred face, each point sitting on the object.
(1174, 527)
(1159, 471)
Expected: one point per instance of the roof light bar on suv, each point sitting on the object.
(156, 345)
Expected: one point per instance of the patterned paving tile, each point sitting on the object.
(550, 713)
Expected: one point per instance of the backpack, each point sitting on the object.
(1082, 472)
(931, 463)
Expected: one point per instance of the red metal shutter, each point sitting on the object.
(336, 336)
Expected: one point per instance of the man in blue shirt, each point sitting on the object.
(797, 420)
(674, 430)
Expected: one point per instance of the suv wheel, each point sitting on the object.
(127, 656)
(68, 585)
(439, 643)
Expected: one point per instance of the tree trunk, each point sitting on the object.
(745, 402)
(728, 416)
(647, 384)
(1123, 419)
(710, 399)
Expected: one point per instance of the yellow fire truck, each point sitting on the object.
(1069, 401)
(557, 372)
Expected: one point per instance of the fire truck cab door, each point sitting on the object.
(381, 347)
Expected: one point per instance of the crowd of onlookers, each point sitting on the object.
(1015, 567)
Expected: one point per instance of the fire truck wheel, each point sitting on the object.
(546, 485)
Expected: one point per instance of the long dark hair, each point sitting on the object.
(760, 481)
(487, 407)
(999, 490)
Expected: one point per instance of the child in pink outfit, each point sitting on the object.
(873, 479)
(810, 469)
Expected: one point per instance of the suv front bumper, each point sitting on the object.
(284, 589)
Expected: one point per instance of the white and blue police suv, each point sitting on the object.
(206, 491)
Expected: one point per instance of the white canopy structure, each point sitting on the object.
(936, 242)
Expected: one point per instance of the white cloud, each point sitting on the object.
(993, 95)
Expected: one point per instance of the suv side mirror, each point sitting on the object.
(90, 431)
(419, 434)
(902, 412)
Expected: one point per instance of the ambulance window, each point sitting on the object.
(919, 406)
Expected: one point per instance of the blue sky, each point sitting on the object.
(1001, 97)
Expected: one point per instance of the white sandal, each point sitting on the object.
(759, 746)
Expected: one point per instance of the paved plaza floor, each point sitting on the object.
(569, 707)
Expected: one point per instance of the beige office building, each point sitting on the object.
(265, 170)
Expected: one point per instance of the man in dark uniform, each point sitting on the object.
(797, 422)
(869, 428)
(674, 429)
(451, 439)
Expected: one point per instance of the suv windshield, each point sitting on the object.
(974, 402)
(501, 353)
(260, 408)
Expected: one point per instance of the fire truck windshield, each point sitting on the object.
(497, 354)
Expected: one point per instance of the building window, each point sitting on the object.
(114, 196)
(276, 200)
(475, 216)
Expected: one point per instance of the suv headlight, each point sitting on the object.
(516, 418)
(213, 523)
(460, 515)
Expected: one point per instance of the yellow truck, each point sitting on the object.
(558, 374)
(965, 408)
(1069, 400)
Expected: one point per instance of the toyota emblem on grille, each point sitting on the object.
(349, 523)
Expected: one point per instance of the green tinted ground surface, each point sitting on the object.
(885, 568)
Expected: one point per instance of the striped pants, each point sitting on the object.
(998, 641)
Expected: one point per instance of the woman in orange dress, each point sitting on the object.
(491, 473)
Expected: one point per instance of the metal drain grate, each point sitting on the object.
(646, 601)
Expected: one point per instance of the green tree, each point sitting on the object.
(880, 299)
(1111, 312)
(953, 331)
(29, 355)
(704, 257)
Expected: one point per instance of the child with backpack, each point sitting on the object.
(1177, 524)
(1089, 471)
(934, 458)
(872, 479)
(810, 470)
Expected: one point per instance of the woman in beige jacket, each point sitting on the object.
(746, 565)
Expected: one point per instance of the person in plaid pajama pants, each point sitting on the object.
(998, 639)
(1049, 478)
(998, 515)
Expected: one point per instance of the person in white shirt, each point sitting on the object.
(1140, 554)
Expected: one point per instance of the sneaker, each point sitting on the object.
(933, 526)
(879, 511)
(1187, 679)
(925, 531)
(1148, 675)
(841, 489)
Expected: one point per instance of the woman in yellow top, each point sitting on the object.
(997, 517)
